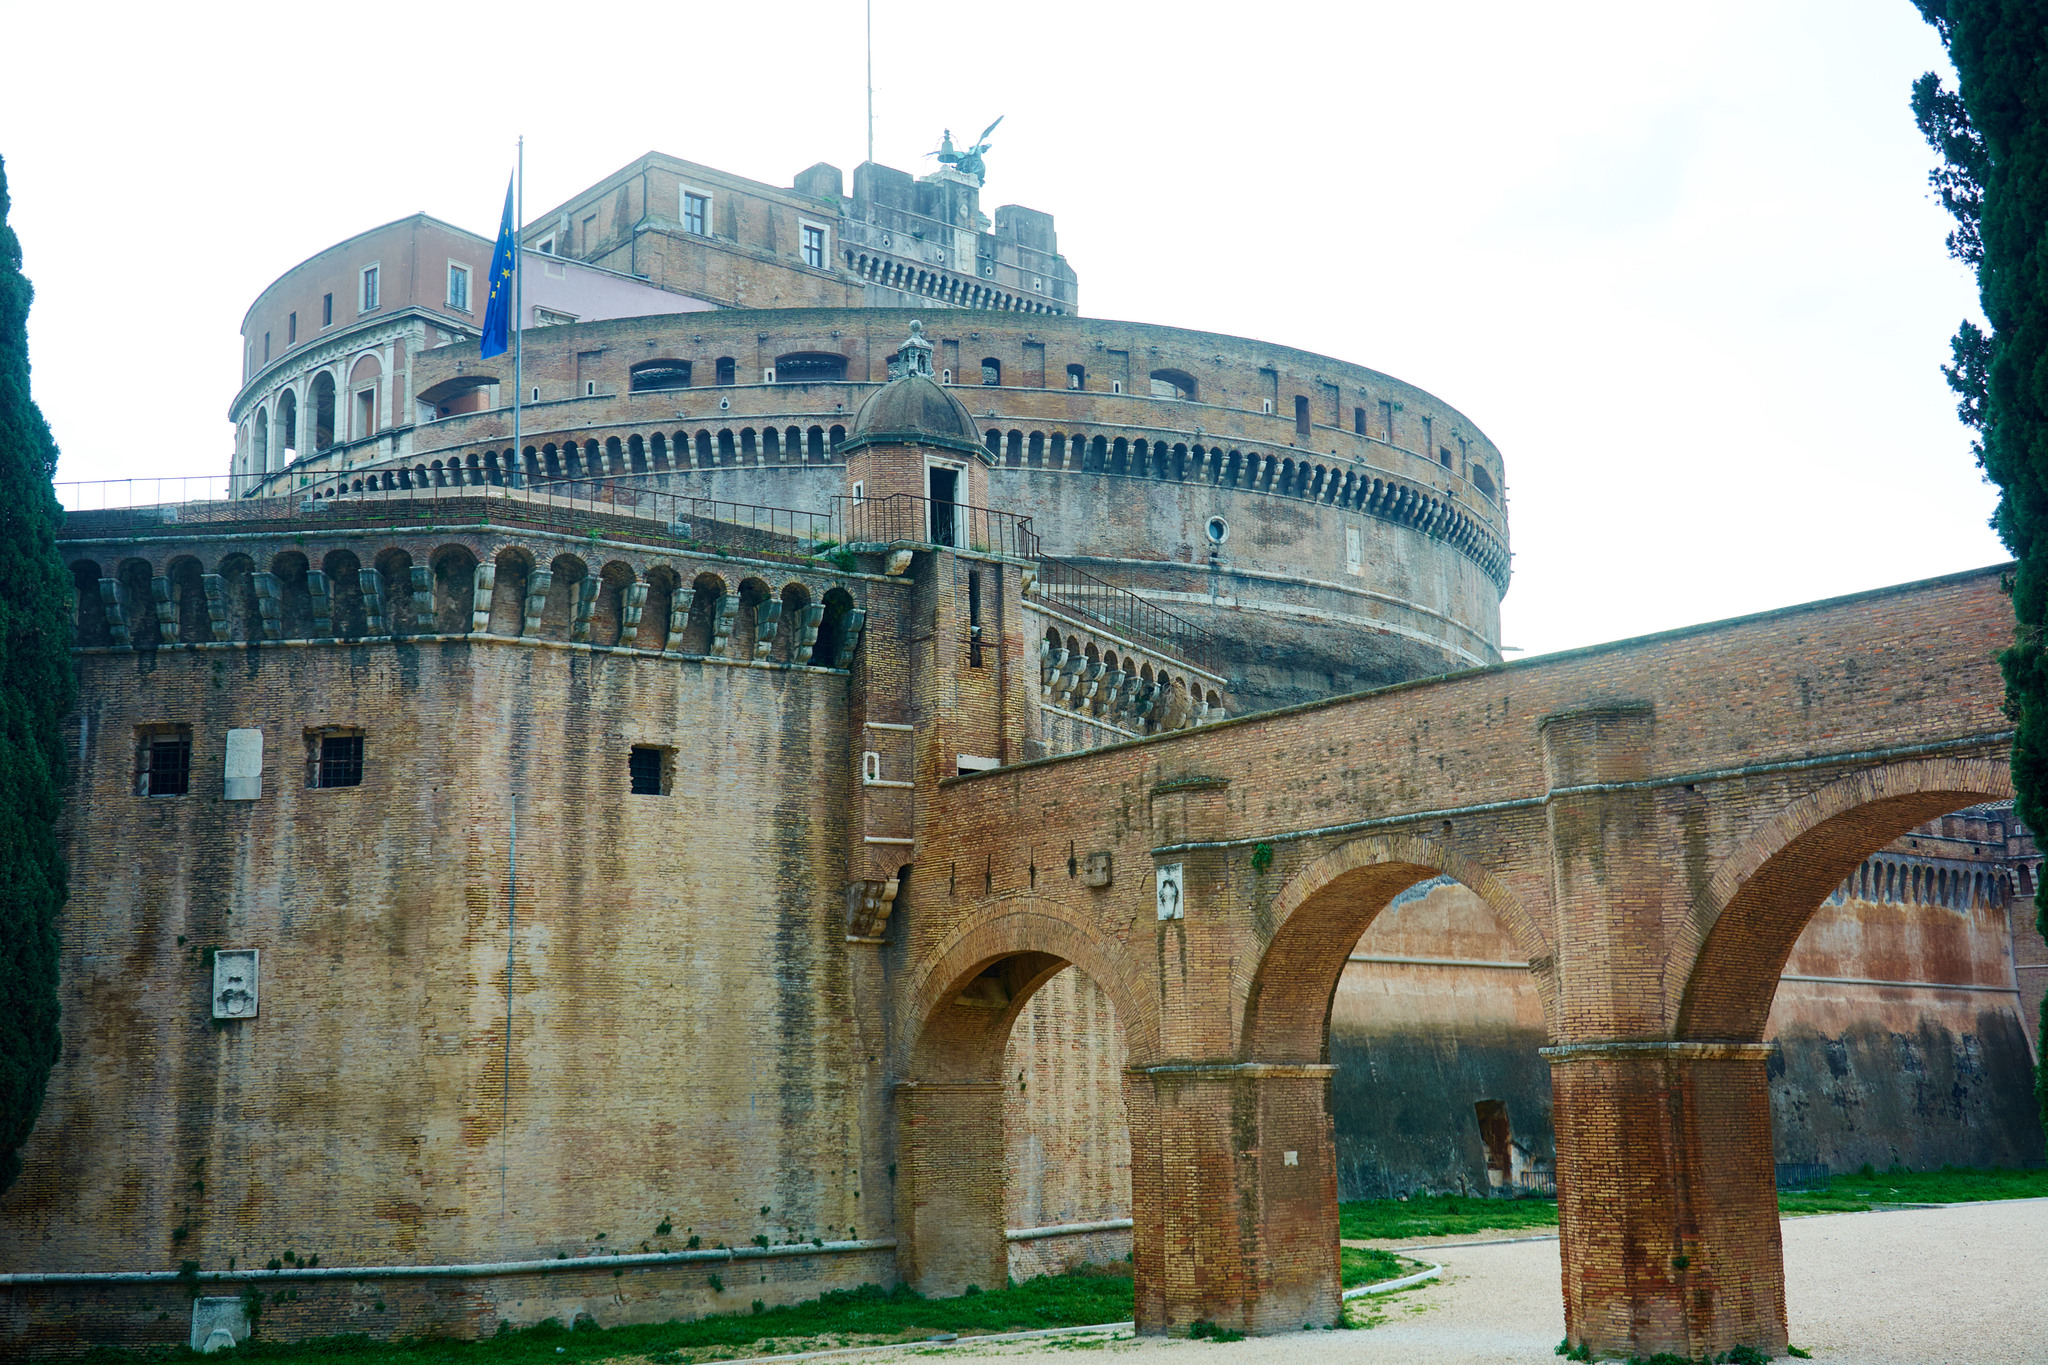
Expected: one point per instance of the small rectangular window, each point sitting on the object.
(458, 288)
(327, 310)
(973, 619)
(164, 760)
(291, 330)
(1358, 420)
(1077, 377)
(366, 413)
(1387, 422)
(1443, 455)
(697, 213)
(814, 247)
(369, 288)
(337, 760)
(644, 770)
(1301, 414)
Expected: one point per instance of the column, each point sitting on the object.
(1667, 1199)
(1234, 1196)
(949, 1187)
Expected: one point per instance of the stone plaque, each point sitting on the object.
(1096, 870)
(1171, 903)
(218, 1324)
(245, 765)
(234, 983)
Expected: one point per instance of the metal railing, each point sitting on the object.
(1071, 588)
(581, 506)
(906, 517)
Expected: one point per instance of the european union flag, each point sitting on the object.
(498, 312)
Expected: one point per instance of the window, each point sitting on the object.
(1178, 384)
(163, 760)
(814, 247)
(652, 375)
(590, 388)
(644, 770)
(1116, 386)
(697, 213)
(458, 288)
(1269, 404)
(1387, 421)
(366, 413)
(536, 396)
(727, 371)
(1077, 376)
(547, 245)
(327, 310)
(266, 348)
(860, 490)
(1358, 420)
(1218, 530)
(291, 330)
(805, 367)
(369, 289)
(991, 370)
(1300, 415)
(973, 619)
(334, 758)
(1037, 284)
(1443, 457)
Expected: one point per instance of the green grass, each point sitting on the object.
(853, 1317)
(1359, 1266)
(1458, 1215)
(1442, 1215)
(1949, 1185)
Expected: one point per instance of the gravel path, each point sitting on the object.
(1959, 1285)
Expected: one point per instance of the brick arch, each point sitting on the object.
(1745, 922)
(1019, 927)
(1318, 917)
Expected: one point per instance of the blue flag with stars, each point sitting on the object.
(498, 312)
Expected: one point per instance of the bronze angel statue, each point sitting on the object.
(968, 162)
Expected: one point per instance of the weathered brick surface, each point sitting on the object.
(697, 1038)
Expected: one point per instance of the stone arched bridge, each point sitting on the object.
(1653, 821)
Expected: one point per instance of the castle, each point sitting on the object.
(523, 860)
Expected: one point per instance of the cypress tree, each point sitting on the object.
(35, 695)
(1992, 136)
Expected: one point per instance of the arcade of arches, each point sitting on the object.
(1651, 824)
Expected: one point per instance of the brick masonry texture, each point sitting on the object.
(698, 1041)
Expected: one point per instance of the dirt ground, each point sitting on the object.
(1958, 1285)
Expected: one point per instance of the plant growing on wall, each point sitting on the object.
(1991, 133)
(35, 695)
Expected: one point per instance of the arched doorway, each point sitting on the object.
(967, 1118)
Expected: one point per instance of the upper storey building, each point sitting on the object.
(895, 241)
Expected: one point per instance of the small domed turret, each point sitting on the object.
(913, 408)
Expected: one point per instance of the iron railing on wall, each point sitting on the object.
(579, 506)
(1073, 589)
(908, 518)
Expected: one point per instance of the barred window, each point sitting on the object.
(164, 760)
(643, 770)
(334, 758)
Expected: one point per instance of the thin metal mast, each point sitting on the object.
(871, 80)
(519, 334)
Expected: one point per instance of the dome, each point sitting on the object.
(913, 408)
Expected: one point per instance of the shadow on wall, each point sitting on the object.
(1919, 1099)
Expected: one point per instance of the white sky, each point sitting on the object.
(1679, 262)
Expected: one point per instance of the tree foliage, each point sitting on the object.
(1991, 133)
(35, 695)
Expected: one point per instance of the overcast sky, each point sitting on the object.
(1679, 262)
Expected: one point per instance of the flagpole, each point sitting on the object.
(519, 324)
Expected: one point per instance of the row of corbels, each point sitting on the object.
(114, 598)
(1074, 682)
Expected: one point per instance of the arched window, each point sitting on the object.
(727, 370)
(1077, 376)
(287, 427)
(652, 376)
(321, 401)
(1483, 481)
(805, 367)
(991, 370)
(1173, 384)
